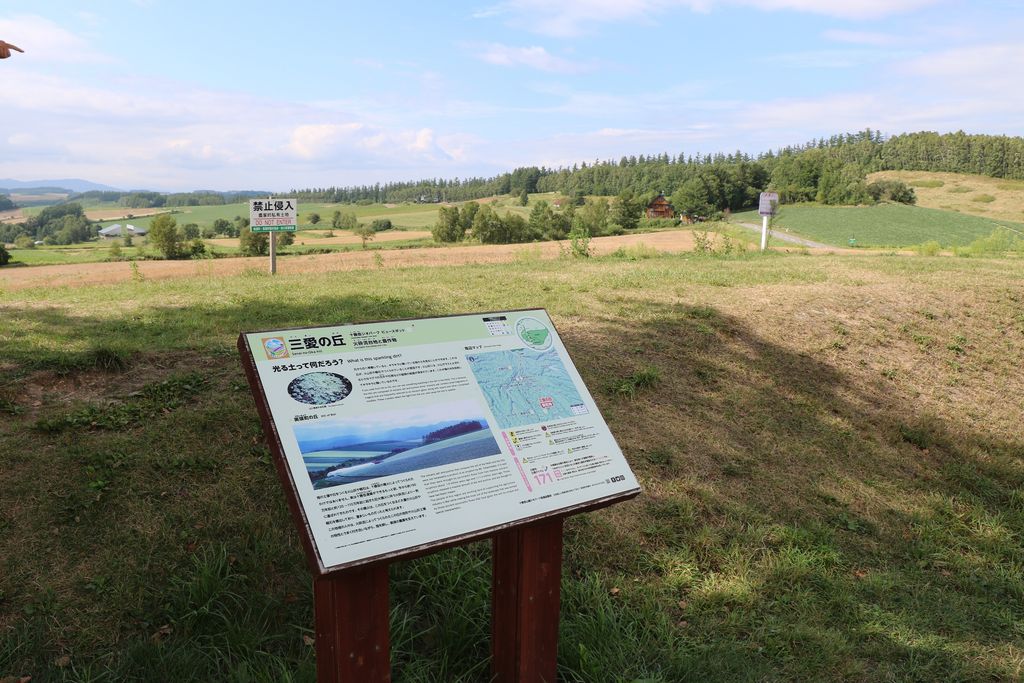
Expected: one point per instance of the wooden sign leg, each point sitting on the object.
(352, 635)
(527, 578)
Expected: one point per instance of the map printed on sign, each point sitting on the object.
(397, 435)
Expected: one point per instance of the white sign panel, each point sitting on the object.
(768, 203)
(273, 215)
(398, 435)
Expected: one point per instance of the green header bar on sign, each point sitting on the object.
(273, 228)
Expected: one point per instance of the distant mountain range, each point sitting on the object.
(70, 184)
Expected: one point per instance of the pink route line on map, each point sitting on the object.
(522, 472)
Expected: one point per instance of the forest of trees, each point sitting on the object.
(58, 224)
(144, 199)
(721, 181)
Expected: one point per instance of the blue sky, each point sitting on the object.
(183, 95)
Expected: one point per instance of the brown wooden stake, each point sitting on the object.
(351, 613)
(525, 602)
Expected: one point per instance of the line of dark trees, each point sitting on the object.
(144, 199)
(726, 181)
(464, 427)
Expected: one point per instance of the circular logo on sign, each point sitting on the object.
(319, 388)
(534, 333)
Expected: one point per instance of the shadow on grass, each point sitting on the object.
(797, 523)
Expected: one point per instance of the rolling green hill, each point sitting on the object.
(881, 225)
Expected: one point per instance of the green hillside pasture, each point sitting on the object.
(882, 225)
(831, 460)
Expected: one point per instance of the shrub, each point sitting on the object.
(983, 198)
(892, 191)
(5, 256)
(929, 248)
(253, 243)
(381, 224)
(24, 242)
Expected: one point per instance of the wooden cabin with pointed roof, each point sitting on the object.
(660, 208)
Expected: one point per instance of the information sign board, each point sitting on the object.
(273, 215)
(395, 437)
(768, 203)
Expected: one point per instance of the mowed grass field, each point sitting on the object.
(830, 450)
(999, 199)
(881, 225)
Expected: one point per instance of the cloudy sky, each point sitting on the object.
(175, 95)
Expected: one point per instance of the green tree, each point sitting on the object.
(365, 232)
(253, 243)
(24, 242)
(693, 198)
(285, 239)
(5, 256)
(381, 224)
(542, 219)
(524, 198)
(594, 216)
(348, 221)
(314, 218)
(449, 226)
(488, 226)
(164, 235)
(190, 231)
(626, 211)
(222, 226)
(467, 215)
(336, 220)
(6, 204)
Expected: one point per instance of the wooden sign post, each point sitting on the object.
(396, 439)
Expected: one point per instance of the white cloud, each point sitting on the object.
(171, 136)
(573, 17)
(535, 57)
(44, 41)
(860, 37)
(996, 70)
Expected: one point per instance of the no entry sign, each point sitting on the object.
(273, 215)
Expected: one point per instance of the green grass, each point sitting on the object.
(882, 225)
(832, 464)
(411, 216)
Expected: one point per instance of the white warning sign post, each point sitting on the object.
(273, 216)
(767, 206)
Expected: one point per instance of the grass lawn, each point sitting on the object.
(882, 225)
(830, 450)
(999, 199)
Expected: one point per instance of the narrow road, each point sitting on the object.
(785, 237)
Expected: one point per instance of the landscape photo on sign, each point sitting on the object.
(371, 445)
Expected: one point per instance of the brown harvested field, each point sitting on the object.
(343, 238)
(994, 198)
(14, 216)
(119, 213)
(103, 273)
(100, 273)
